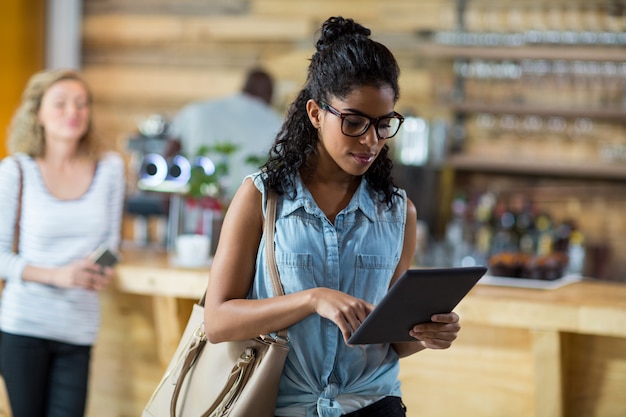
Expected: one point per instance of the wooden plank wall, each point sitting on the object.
(146, 57)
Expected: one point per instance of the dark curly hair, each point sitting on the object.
(346, 59)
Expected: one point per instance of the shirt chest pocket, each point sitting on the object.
(373, 275)
(296, 271)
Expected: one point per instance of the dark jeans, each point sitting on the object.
(44, 378)
(387, 407)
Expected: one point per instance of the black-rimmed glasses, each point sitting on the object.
(354, 125)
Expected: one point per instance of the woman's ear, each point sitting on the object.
(314, 112)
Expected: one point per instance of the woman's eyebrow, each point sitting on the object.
(355, 111)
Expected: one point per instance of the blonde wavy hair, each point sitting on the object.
(26, 134)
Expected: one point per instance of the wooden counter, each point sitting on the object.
(530, 352)
(150, 273)
(522, 352)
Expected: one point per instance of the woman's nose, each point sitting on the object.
(369, 137)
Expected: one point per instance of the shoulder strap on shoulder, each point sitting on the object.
(270, 221)
(16, 233)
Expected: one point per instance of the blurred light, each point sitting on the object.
(468, 261)
(413, 142)
(153, 170)
(206, 164)
(179, 170)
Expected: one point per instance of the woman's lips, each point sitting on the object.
(75, 123)
(363, 158)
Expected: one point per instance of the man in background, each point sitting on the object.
(245, 119)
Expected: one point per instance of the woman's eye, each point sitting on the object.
(355, 122)
(384, 124)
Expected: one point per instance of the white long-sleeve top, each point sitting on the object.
(54, 233)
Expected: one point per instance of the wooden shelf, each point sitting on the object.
(503, 108)
(553, 53)
(615, 172)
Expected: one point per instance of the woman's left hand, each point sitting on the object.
(440, 333)
(101, 276)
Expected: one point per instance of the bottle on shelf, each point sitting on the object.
(456, 231)
(576, 254)
(545, 235)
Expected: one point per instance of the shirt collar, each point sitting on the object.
(364, 199)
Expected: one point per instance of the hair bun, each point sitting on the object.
(335, 28)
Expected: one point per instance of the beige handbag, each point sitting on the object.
(235, 379)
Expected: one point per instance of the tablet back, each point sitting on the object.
(413, 299)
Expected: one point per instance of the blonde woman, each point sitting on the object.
(71, 204)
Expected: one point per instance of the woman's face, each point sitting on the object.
(64, 111)
(352, 155)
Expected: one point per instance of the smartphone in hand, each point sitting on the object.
(103, 256)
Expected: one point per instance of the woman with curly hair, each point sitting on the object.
(344, 234)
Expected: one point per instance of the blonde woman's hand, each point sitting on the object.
(82, 274)
(104, 276)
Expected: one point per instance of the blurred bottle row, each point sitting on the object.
(494, 22)
(564, 84)
(564, 140)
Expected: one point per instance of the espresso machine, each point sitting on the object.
(160, 188)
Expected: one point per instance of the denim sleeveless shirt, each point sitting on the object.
(358, 255)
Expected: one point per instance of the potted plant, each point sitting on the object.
(204, 200)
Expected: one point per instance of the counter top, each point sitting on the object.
(587, 306)
(150, 271)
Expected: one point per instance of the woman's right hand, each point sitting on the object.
(344, 310)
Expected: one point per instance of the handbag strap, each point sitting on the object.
(270, 256)
(18, 216)
(270, 223)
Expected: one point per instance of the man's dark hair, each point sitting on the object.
(259, 83)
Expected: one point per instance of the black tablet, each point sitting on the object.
(413, 299)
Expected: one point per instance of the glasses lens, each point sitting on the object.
(388, 127)
(354, 125)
